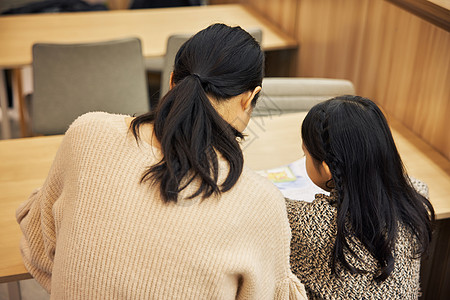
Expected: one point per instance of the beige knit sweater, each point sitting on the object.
(94, 232)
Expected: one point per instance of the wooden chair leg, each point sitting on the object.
(14, 290)
(6, 129)
(21, 106)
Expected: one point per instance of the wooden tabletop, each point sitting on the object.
(272, 141)
(24, 164)
(153, 26)
(275, 140)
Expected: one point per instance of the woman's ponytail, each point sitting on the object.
(189, 130)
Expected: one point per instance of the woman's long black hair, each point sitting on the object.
(220, 62)
(374, 193)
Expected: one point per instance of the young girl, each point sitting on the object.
(161, 206)
(364, 241)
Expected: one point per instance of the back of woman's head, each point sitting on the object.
(374, 194)
(217, 63)
(226, 60)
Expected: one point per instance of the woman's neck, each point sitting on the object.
(146, 133)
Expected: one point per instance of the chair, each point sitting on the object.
(156, 64)
(284, 95)
(173, 44)
(72, 79)
(6, 5)
(140, 4)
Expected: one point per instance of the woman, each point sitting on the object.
(364, 241)
(161, 206)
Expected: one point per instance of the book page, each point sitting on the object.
(293, 181)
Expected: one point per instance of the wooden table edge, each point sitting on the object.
(15, 277)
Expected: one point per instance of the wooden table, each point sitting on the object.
(272, 141)
(24, 164)
(153, 26)
(275, 141)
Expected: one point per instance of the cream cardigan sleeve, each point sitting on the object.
(37, 222)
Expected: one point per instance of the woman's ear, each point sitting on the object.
(247, 101)
(171, 85)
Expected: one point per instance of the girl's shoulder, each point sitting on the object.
(322, 208)
(321, 202)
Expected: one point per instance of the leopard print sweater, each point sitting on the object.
(313, 228)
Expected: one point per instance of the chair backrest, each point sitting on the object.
(139, 4)
(173, 44)
(256, 34)
(10, 4)
(293, 94)
(72, 79)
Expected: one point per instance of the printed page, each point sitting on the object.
(293, 181)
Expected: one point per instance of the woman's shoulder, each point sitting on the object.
(98, 118)
(259, 184)
(94, 125)
(96, 128)
(260, 194)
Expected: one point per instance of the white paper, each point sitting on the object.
(293, 181)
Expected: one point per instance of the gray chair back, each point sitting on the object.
(72, 79)
(173, 44)
(256, 34)
(293, 94)
(10, 4)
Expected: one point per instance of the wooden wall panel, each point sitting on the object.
(329, 34)
(407, 71)
(392, 56)
(283, 13)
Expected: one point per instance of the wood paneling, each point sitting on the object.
(392, 56)
(281, 12)
(436, 12)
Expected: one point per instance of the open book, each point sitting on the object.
(293, 181)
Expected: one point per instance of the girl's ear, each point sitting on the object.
(326, 173)
(326, 170)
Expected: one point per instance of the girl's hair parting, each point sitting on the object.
(374, 192)
(220, 62)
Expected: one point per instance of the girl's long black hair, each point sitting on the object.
(374, 193)
(220, 62)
